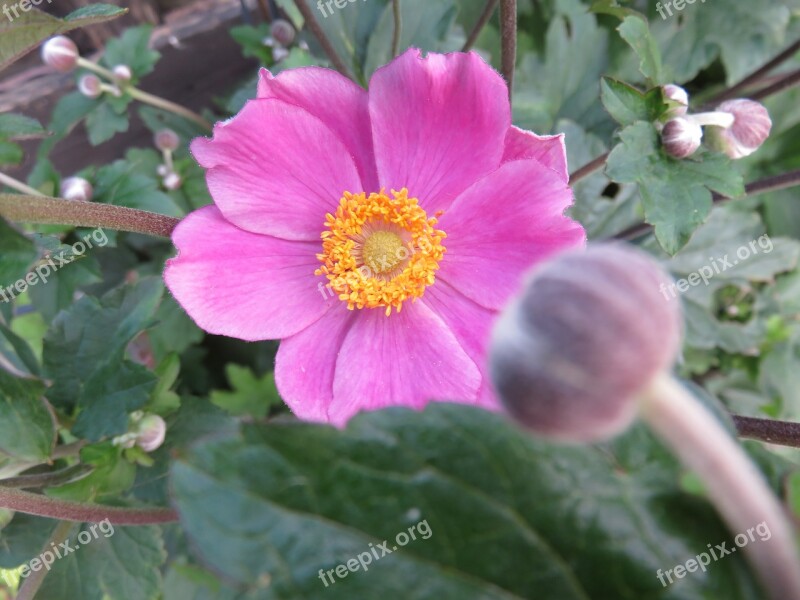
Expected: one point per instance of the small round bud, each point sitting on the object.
(681, 137)
(282, 32)
(90, 86)
(166, 139)
(751, 127)
(151, 432)
(279, 53)
(61, 53)
(676, 94)
(76, 188)
(591, 330)
(173, 181)
(123, 73)
(162, 170)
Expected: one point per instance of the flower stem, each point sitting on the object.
(734, 484)
(719, 119)
(588, 168)
(784, 433)
(488, 10)
(508, 33)
(41, 480)
(18, 185)
(35, 579)
(92, 66)
(398, 27)
(56, 211)
(791, 80)
(66, 510)
(327, 47)
(163, 104)
(756, 75)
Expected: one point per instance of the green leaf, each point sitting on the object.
(251, 396)
(27, 428)
(109, 395)
(111, 475)
(11, 154)
(635, 31)
(612, 7)
(103, 123)
(675, 194)
(28, 29)
(251, 39)
(17, 352)
(19, 127)
(117, 563)
(94, 333)
(18, 255)
(132, 48)
(627, 104)
(123, 183)
(560, 522)
(163, 400)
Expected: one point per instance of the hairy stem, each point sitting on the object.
(733, 483)
(34, 581)
(327, 47)
(65, 510)
(508, 49)
(398, 27)
(488, 10)
(784, 433)
(56, 211)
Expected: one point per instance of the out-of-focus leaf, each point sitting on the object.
(27, 428)
(132, 48)
(635, 31)
(19, 127)
(18, 255)
(251, 395)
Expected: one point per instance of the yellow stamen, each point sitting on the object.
(380, 251)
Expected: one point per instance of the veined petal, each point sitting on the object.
(276, 169)
(547, 149)
(240, 284)
(439, 124)
(336, 101)
(503, 225)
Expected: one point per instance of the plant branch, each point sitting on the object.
(65, 510)
(762, 186)
(756, 75)
(18, 185)
(508, 33)
(52, 478)
(56, 211)
(588, 168)
(169, 106)
(34, 580)
(327, 47)
(398, 27)
(790, 80)
(488, 10)
(784, 433)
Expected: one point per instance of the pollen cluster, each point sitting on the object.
(379, 250)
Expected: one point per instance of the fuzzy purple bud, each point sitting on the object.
(122, 73)
(282, 32)
(751, 127)
(90, 86)
(676, 94)
(151, 432)
(589, 333)
(61, 53)
(76, 188)
(166, 139)
(681, 137)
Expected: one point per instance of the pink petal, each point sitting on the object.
(547, 149)
(471, 324)
(306, 363)
(276, 169)
(503, 225)
(240, 284)
(334, 100)
(439, 124)
(406, 359)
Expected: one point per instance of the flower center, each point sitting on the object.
(379, 250)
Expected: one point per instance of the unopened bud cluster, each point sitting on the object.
(146, 430)
(62, 54)
(282, 34)
(168, 141)
(737, 127)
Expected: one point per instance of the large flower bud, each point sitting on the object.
(751, 127)
(60, 53)
(590, 331)
(681, 137)
(76, 188)
(676, 94)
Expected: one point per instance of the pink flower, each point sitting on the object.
(377, 234)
